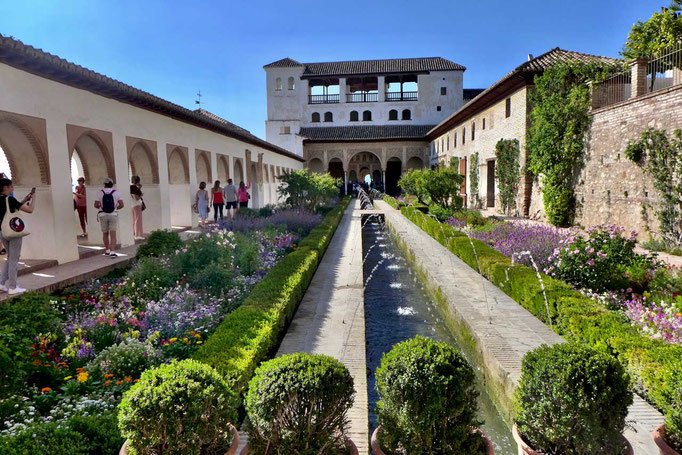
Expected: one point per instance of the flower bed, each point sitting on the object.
(69, 358)
(652, 362)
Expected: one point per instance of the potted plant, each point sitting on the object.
(572, 399)
(427, 402)
(298, 404)
(668, 437)
(180, 408)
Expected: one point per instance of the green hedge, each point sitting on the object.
(252, 331)
(573, 316)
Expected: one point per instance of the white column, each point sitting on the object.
(164, 187)
(342, 90)
(125, 217)
(382, 88)
(193, 182)
(345, 181)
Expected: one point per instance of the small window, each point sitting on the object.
(367, 116)
(278, 83)
(407, 114)
(354, 117)
(291, 84)
(328, 117)
(442, 144)
(473, 130)
(316, 117)
(443, 91)
(464, 135)
(438, 108)
(483, 126)
(448, 143)
(285, 130)
(507, 108)
(455, 140)
(393, 114)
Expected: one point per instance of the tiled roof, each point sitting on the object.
(360, 67)
(365, 133)
(519, 75)
(27, 58)
(283, 63)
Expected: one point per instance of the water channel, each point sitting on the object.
(396, 309)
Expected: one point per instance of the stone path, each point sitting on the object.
(501, 329)
(55, 277)
(331, 317)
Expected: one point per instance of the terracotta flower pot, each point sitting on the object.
(658, 435)
(525, 449)
(349, 443)
(376, 447)
(231, 451)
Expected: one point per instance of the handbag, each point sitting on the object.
(12, 225)
(143, 206)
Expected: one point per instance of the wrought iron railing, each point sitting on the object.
(613, 90)
(362, 97)
(323, 99)
(401, 96)
(665, 69)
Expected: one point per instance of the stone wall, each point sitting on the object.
(611, 188)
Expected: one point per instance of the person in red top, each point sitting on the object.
(243, 194)
(217, 200)
(82, 205)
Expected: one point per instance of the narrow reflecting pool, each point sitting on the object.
(396, 309)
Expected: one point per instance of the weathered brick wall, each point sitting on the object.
(611, 188)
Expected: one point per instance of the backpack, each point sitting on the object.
(108, 204)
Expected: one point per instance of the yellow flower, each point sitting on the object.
(82, 377)
(199, 342)
(67, 378)
(173, 340)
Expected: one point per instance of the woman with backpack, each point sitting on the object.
(243, 195)
(8, 280)
(217, 200)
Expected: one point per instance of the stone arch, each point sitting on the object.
(26, 153)
(178, 166)
(392, 175)
(223, 165)
(95, 152)
(336, 168)
(353, 176)
(350, 157)
(315, 165)
(238, 171)
(142, 159)
(203, 166)
(414, 163)
(363, 173)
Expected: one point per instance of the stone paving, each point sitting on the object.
(331, 317)
(501, 329)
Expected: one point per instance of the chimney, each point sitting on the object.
(530, 57)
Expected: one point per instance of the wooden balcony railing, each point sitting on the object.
(362, 97)
(401, 96)
(323, 99)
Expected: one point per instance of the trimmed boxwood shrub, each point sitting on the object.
(427, 400)
(160, 243)
(180, 408)
(572, 399)
(247, 335)
(298, 403)
(652, 363)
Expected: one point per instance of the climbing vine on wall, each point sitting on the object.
(661, 157)
(507, 152)
(559, 121)
(473, 180)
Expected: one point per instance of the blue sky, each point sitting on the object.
(175, 48)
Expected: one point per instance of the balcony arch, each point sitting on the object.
(178, 167)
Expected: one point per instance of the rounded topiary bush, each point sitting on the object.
(427, 400)
(573, 399)
(298, 404)
(129, 358)
(181, 408)
(673, 415)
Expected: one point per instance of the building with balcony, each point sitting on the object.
(359, 118)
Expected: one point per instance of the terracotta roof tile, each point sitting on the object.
(363, 133)
(283, 63)
(358, 67)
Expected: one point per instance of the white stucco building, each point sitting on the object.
(355, 118)
(52, 110)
